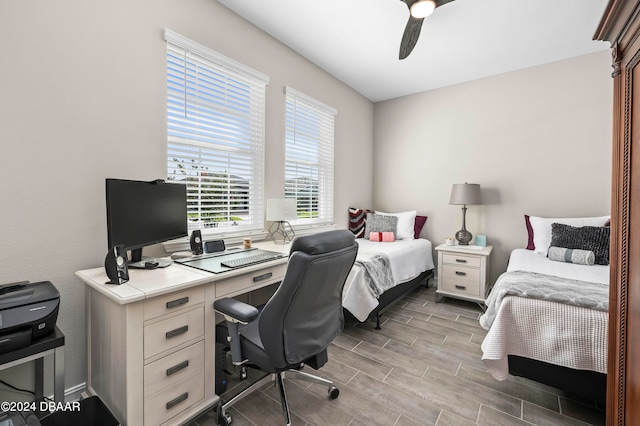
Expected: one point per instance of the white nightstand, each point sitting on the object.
(463, 272)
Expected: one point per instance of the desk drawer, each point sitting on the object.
(461, 259)
(173, 302)
(174, 400)
(173, 331)
(166, 372)
(246, 282)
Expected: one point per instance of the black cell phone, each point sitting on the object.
(214, 246)
(151, 264)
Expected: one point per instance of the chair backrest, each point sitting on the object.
(305, 313)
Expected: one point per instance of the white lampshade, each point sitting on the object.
(465, 193)
(280, 209)
(422, 8)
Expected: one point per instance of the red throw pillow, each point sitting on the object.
(417, 226)
(384, 237)
(358, 221)
(527, 222)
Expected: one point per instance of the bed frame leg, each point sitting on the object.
(378, 321)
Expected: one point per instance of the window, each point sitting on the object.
(215, 130)
(309, 157)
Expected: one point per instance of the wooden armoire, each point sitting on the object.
(620, 25)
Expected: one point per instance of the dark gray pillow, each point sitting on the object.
(381, 223)
(593, 238)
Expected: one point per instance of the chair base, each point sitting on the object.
(224, 419)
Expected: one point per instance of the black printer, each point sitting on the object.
(28, 311)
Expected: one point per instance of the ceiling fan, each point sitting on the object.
(419, 9)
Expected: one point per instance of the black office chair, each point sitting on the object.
(298, 323)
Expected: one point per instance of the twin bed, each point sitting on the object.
(547, 320)
(410, 264)
(387, 267)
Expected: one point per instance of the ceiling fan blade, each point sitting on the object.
(410, 36)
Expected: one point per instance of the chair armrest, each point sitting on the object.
(235, 311)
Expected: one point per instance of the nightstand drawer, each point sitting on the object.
(173, 302)
(166, 372)
(174, 400)
(461, 259)
(244, 283)
(173, 331)
(470, 288)
(460, 274)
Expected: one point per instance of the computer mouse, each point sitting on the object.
(181, 255)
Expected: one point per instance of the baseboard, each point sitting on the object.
(74, 393)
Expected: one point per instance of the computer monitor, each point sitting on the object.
(141, 213)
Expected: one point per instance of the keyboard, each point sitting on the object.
(250, 260)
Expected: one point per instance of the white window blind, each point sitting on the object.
(309, 157)
(215, 129)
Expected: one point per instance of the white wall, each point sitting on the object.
(83, 98)
(538, 141)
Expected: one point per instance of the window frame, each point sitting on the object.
(220, 141)
(312, 123)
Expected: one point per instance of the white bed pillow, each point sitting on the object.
(541, 227)
(406, 221)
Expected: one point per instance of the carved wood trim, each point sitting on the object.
(622, 264)
(615, 405)
(616, 59)
(620, 25)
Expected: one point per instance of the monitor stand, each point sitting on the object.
(139, 262)
(162, 263)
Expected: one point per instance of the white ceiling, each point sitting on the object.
(357, 41)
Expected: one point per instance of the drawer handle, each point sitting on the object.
(177, 401)
(177, 302)
(177, 331)
(176, 368)
(461, 287)
(461, 260)
(461, 273)
(262, 277)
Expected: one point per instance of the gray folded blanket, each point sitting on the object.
(377, 272)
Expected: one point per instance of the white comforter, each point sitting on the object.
(408, 259)
(556, 333)
(528, 260)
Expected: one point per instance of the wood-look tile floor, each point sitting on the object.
(422, 368)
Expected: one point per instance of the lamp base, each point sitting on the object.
(280, 228)
(463, 237)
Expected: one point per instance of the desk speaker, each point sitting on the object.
(196, 242)
(115, 264)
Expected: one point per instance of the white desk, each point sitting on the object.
(151, 341)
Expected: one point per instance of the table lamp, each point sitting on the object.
(463, 194)
(280, 211)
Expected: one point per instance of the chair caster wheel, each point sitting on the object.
(333, 392)
(243, 373)
(224, 420)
